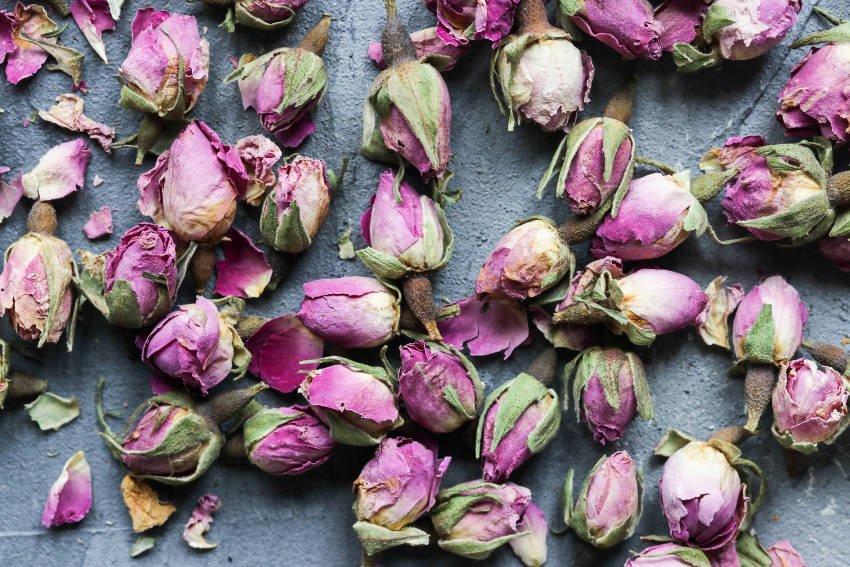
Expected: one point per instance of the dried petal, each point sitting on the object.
(713, 323)
(93, 17)
(146, 509)
(50, 411)
(60, 172)
(68, 113)
(486, 327)
(200, 521)
(244, 272)
(99, 224)
(70, 496)
(10, 194)
(277, 349)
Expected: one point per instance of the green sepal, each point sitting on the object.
(838, 34)
(787, 440)
(131, 100)
(822, 147)
(69, 61)
(375, 538)
(475, 549)
(689, 555)
(795, 157)
(672, 441)
(245, 18)
(259, 425)
(383, 265)
(123, 305)
(744, 468)
(689, 59)
(50, 411)
(449, 393)
(228, 24)
(345, 433)
(841, 226)
(716, 18)
(372, 144)
(758, 344)
(143, 544)
(750, 552)
(567, 499)
(569, 7)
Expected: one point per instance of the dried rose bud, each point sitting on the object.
(351, 312)
(702, 495)
(778, 192)
(768, 325)
(258, 154)
(193, 188)
(837, 249)
(297, 206)
(285, 85)
(474, 518)
(670, 554)
(531, 548)
(196, 345)
(407, 112)
(167, 67)
(393, 490)
(527, 261)
(627, 27)
(608, 389)
(608, 508)
(287, 440)
(784, 555)
(406, 232)
(264, 14)
(809, 405)
(70, 496)
(657, 214)
(459, 21)
(138, 282)
(518, 420)
(713, 323)
(177, 439)
(426, 42)
(357, 401)
(439, 386)
(542, 76)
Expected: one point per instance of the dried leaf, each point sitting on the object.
(50, 411)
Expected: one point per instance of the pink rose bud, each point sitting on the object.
(393, 490)
(439, 386)
(196, 345)
(527, 261)
(287, 441)
(474, 518)
(506, 438)
(629, 27)
(193, 188)
(258, 154)
(265, 14)
(809, 405)
(702, 496)
(670, 554)
(531, 548)
(357, 401)
(406, 232)
(784, 555)
(837, 249)
(151, 76)
(297, 206)
(459, 21)
(661, 300)
(351, 312)
(609, 506)
(426, 42)
(679, 21)
(657, 214)
(757, 25)
(608, 389)
(777, 192)
(70, 496)
(768, 325)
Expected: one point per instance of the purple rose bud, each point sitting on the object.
(531, 548)
(627, 27)
(609, 506)
(775, 305)
(608, 389)
(527, 261)
(713, 323)
(459, 21)
(474, 518)
(506, 438)
(266, 14)
(70, 496)
(679, 21)
(661, 300)
(351, 312)
(258, 154)
(486, 327)
(757, 26)
(837, 249)
(777, 191)
(150, 74)
(657, 214)
(702, 496)
(193, 188)
(287, 441)
(784, 555)
(410, 230)
(357, 401)
(809, 405)
(439, 386)
(197, 345)
(296, 208)
(426, 42)
(670, 554)
(151, 432)
(278, 348)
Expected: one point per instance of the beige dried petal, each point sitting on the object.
(146, 509)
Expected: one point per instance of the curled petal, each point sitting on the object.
(244, 272)
(70, 496)
(486, 327)
(93, 17)
(200, 521)
(99, 224)
(10, 194)
(277, 349)
(68, 113)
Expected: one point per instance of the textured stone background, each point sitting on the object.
(307, 519)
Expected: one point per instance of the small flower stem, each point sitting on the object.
(420, 298)
(578, 229)
(758, 386)
(316, 39)
(202, 266)
(225, 405)
(369, 560)
(586, 555)
(395, 41)
(579, 314)
(838, 189)
(544, 366)
(834, 20)
(621, 104)
(828, 355)
(531, 17)
(234, 449)
(734, 434)
(25, 386)
(42, 219)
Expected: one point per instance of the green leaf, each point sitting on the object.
(375, 538)
(50, 411)
(143, 544)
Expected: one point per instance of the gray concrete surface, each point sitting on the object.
(306, 520)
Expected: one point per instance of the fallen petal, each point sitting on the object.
(573, 337)
(200, 521)
(59, 172)
(99, 225)
(50, 411)
(26, 58)
(70, 496)
(146, 509)
(10, 193)
(486, 327)
(93, 17)
(277, 349)
(68, 113)
(244, 272)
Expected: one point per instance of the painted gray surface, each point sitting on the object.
(306, 520)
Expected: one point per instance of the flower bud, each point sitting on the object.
(474, 518)
(661, 300)
(297, 206)
(657, 214)
(778, 192)
(784, 555)
(609, 387)
(702, 496)
(459, 21)
(837, 249)
(167, 66)
(35, 287)
(768, 325)
(527, 261)
(287, 440)
(356, 401)
(809, 405)
(258, 155)
(193, 188)
(609, 506)
(627, 27)
(439, 386)
(197, 345)
(531, 548)
(406, 232)
(519, 419)
(351, 312)
(670, 554)
(266, 14)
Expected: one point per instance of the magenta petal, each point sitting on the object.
(161, 384)
(7, 34)
(486, 327)
(277, 349)
(10, 194)
(70, 496)
(679, 20)
(573, 337)
(99, 224)
(783, 554)
(200, 521)
(60, 172)
(93, 17)
(293, 136)
(244, 272)
(27, 58)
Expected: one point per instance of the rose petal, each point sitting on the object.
(244, 272)
(200, 521)
(60, 172)
(146, 509)
(27, 58)
(99, 224)
(277, 349)
(93, 17)
(10, 193)
(70, 496)
(68, 113)
(425, 42)
(486, 327)
(573, 337)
